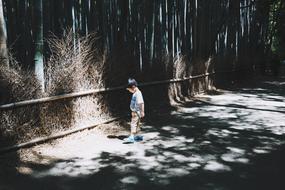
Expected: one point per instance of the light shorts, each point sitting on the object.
(135, 123)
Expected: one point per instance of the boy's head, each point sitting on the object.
(132, 85)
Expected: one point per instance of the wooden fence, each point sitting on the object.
(94, 91)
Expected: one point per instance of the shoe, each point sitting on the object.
(130, 139)
(138, 138)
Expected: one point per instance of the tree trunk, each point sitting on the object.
(38, 58)
(3, 37)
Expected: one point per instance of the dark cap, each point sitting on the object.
(131, 83)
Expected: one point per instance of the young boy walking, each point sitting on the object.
(137, 110)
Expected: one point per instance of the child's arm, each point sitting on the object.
(142, 114)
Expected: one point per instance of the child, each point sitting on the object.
(137, 110)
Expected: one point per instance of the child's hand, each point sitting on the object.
(142, 114)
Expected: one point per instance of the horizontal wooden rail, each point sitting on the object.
(55, 98)
(176, 80)
(100, 90)
(90, 92)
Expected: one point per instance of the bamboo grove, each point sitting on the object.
(153, 40)
(237, 33)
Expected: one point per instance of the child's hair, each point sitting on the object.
(132, 82)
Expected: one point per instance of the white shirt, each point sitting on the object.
(136, 100)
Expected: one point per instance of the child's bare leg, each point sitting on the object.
(134, 123)
(138, 128)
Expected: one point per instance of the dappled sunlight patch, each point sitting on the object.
(186, 126)
(260, 100)
(152, 135)
(225, 131)
(174, 172)
(234, 157)
(72, 168)
(194, 166)
(184, 110)
(180, 158)
(186, 117)
(255, 89)
(229, 157)
(266, 139)
(242, 160)
(130, 180)
(276, 83)
(173, 144)
(216, 114)
(216, 167)
(224, 99)
(267, 146)
(236, 150)
(205, 143)
(244, 127)
(170, 129)
(149, 163)
(196, 159)
(162, 159)
(218, 133)
(260, 151)
(168, 153)
(272, 122)
(189, 140)
(278, 130)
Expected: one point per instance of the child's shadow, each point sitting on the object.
(120, 137)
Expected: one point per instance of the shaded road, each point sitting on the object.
(234, 140)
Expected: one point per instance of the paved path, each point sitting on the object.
(234, 140)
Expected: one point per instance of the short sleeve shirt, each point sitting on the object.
(136, 100)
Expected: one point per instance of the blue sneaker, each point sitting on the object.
(138, 138)
(130, 139)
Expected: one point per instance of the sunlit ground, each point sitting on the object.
(230, 141)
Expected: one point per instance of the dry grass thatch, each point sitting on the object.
(73, 66)
(17, 84)
(180, 67)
